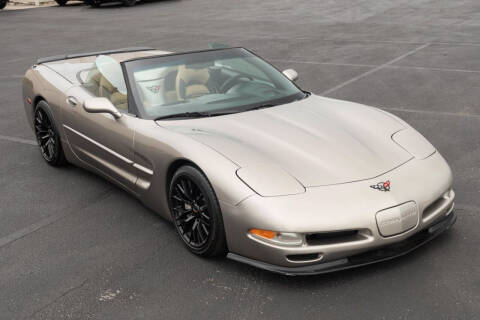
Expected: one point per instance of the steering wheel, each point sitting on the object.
(232, 81)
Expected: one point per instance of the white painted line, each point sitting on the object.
(325, 63)
(433, 69)
(363, 75)
(367, 41)
(430, 112)
(30, 229)
(19, 234)
(19, 140)
(373, 65)
(15, 76)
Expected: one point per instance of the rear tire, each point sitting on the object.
(196, 213)
(129, 3)
(47, 135)
(3, 4)
(61, 3)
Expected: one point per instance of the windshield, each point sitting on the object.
(207, 82)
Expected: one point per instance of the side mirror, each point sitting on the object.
(290, 74)
(101, 105)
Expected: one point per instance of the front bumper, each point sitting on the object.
(345, 207)
(379, 254)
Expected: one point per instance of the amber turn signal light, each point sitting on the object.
(263, 233)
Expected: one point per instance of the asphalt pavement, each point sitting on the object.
(73, 246)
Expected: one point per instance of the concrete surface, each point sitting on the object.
(74, 246)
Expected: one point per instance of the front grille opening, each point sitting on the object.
(325, 238)
(433, 208)
(303, 257)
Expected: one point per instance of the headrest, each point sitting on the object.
(189, 75)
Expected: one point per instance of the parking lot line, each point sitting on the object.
(30, 229)
(324, 63)
(442, 113)
(19, 140)
(363, 75)
(19, 234)
(372, 65)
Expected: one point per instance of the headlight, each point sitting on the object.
(279, 238)
(414, 143)
(269, 180)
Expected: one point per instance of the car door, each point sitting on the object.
(99, 140)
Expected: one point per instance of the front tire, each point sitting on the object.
(47, 135)
(61, 2)
(196, 213)
(3, 4)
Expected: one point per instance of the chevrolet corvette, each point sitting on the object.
(241, 160)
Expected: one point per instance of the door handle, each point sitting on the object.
(72, 101)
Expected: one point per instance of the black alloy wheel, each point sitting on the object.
(196, 213)
(47, 135)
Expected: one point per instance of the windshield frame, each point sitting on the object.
(136, 106)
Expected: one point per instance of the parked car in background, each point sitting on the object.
(94, 3)
(98, 3)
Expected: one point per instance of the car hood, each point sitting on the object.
(319, 141)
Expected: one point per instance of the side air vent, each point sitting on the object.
(439, 207)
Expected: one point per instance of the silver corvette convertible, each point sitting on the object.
(240, 159)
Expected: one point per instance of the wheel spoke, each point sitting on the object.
(205, 229)
(193, 237)
(199, 231)
(179, 199)
(50, 150)
(183, 194)
(184, 189)
(40, 129)
(205, 222)
(182, 218)
(190, 189)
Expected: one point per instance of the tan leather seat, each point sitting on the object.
(101, 87)
(119, 100)
(191, 82)
(107, 90)
(93, 82)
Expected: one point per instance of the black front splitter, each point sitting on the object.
(377, 255)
